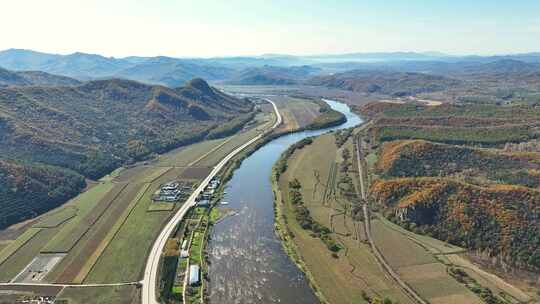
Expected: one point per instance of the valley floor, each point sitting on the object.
(103, 236)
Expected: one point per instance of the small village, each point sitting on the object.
(184, 259)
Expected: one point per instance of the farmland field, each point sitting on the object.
(340, 279)
(85, 249)
(24, 255)
(70, 234)
(97, 229)
(120, 264)
(14, 294)
(12, 247)
(57, 217)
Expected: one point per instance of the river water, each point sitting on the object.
(247, 262)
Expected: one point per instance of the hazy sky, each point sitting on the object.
(205, 28)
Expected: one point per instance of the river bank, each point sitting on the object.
(247, 260)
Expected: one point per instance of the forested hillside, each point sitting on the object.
(27, 190)
(486, 125)
(500, 221)
(463, 173)
(94, 127)
(422, 158)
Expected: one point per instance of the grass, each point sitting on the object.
(110, 235)
(17, 244)
(121, 261)
(186, 155)
(161, 206)
(109, 177)
(91, 206)
(24, 255)
(157, 173)
(128, 294)
(57, 217)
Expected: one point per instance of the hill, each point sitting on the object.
(463, 173)
(416, 158)
(499, 221)
(156, 70)
(383, 82)
(33, 78)
(91, 127)
(173, 72)
(472, 124)
(273, 75)
(94, 127)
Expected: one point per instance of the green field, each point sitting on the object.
(56, 218)
(24, 255)
(161, 206)
(18, 243)
(90, 206)
(121, 261)
(184, 156)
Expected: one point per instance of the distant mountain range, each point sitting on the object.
(33, 78)
(274, 75)
(396, 84)
(174, 72)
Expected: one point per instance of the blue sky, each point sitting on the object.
(240, 27)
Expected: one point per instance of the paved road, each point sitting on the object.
(150, 281)
(367, 227)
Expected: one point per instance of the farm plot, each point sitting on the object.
(340, 276)
(296, 112)
(418, 267)
(78, 226)
(133, 173)
(18, 243)
(196, 173)
(83, 255)
(121, 261)
(235, 141)
(184, 156)
(56, 218)
(388, 241)
(15, 263)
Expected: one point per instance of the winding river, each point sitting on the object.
(247, 262)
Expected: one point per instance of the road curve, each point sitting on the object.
(150, 280)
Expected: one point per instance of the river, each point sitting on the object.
(247, 262)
